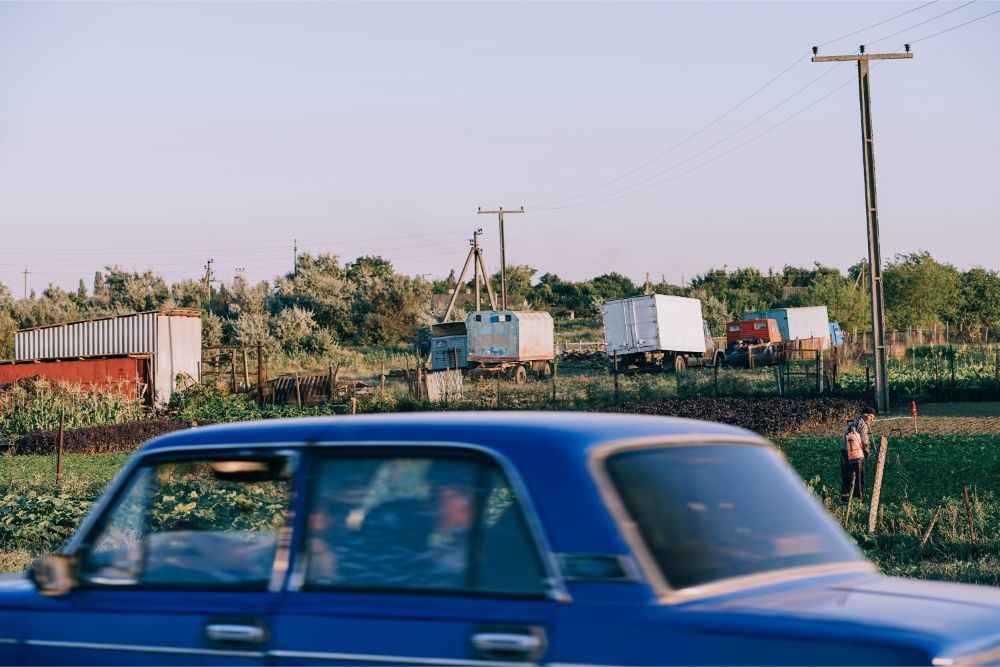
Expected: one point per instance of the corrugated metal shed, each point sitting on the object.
(171, 337)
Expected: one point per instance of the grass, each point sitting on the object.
(921, 473)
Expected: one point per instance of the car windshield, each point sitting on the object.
(712, 512)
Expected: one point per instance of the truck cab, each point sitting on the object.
(752, 342)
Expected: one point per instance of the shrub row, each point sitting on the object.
(96, 439)
(765, 415)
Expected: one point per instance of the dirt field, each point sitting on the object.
(978, 418)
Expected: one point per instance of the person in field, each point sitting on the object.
(854, 449)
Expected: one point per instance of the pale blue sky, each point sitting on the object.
(164, 134)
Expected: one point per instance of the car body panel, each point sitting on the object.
(840, 613)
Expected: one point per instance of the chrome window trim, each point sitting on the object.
(142, 648)
(553, 581)
(664, 593)
(279, 565)
(398, 659)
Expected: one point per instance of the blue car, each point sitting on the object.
(475, 539)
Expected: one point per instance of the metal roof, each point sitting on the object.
(172, 312)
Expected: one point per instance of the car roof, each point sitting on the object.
(503, 431)
(548, 450)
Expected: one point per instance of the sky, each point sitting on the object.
(654, 138)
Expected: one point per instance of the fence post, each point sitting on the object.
(555, 372)
(260, 374)
(968, 513)
(330, 386)
(819, 371)
(59, 452)
(246, 370)
(877, 487)
(298, 390)
(927, 533)
(232, 368)
(615, 373)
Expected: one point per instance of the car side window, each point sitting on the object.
(419, 523)
(193, 524)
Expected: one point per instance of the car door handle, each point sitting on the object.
(527, 645)
(235, 634)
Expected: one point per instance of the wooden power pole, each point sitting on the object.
(871, 206)
(503, 257)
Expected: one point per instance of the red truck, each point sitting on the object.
(752, 343)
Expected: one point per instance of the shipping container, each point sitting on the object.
(509, 336)
(654, 322)
(127, 373)
(171, 338)
(798, 323)
(449, 346)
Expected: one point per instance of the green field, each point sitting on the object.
(922, 472)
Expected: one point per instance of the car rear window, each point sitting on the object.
(711, 512)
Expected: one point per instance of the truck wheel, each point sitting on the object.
(520, 375)
(720, 359)
(545, 372)
(680, 365)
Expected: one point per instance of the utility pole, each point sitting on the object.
(475, 255)
(208, 282)
(503, 258)
(295, 257)
(871, 206)
(475, 250)
(26, 273)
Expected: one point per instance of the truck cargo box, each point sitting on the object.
(654, 322)
(798, 323)
(509, 336)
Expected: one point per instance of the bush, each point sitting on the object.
(96, 439)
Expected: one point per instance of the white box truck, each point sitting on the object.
(808, 324)
(658, 330)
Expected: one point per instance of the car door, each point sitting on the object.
(416, 557)
(182, 566)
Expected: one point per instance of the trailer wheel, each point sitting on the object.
(520, 375)
(545, 371)
(680, 365)
(720, 359)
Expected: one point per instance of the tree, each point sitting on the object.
(713, 310)
(134, 292)
(320, 286)
(980, 308)
(920, 291)
(614, 286)
(847, 302)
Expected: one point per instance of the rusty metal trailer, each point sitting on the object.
(129, 374)
(510, 342)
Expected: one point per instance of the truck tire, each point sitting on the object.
(680, 364)
(720, 359)
(519, 374)
(545, 371)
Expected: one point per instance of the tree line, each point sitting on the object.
(323, 304)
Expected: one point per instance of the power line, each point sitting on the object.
(727, 152)
(705, 150)
(955, 27)
(875, 25)
(551, 205)
(917, 25)
(636, 189)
